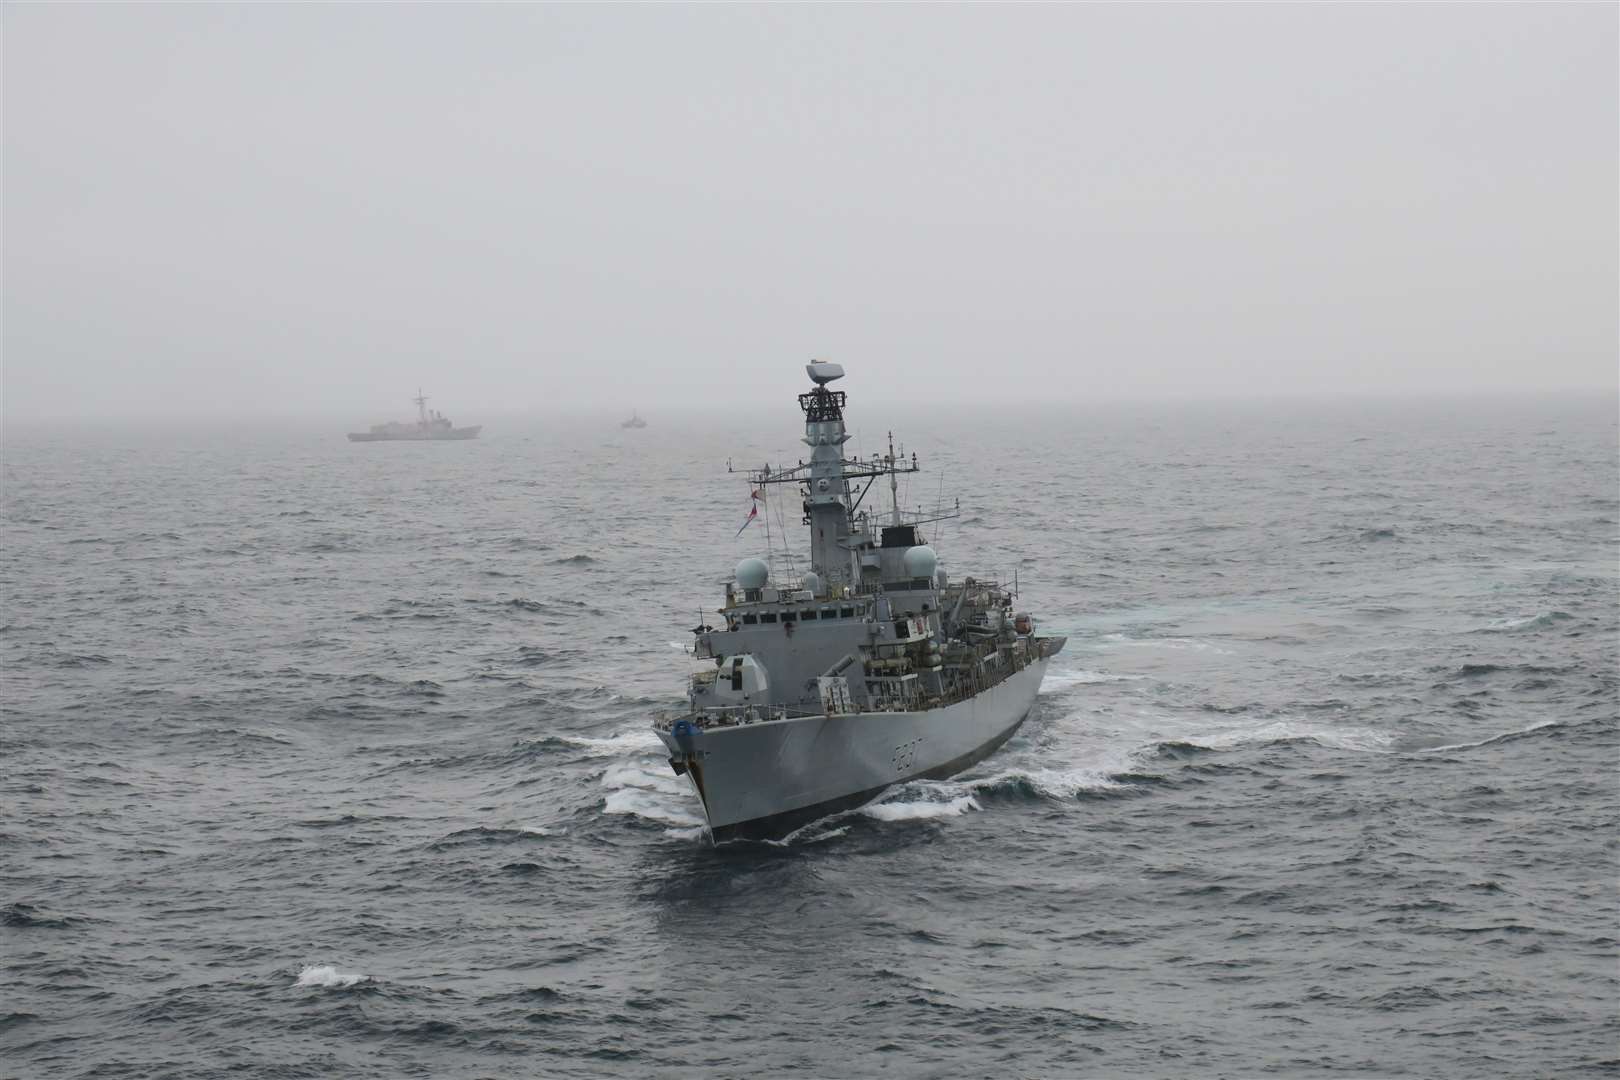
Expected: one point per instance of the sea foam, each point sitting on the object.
(924, 810)
(638, 740)
(1503, 737)
(1062, 680)
(1528, 622)
(327, 975)
(1369, 740)
(649, 805)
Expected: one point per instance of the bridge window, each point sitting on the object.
(769, 616)
(846, 613)
(750, 619)
(805, 616)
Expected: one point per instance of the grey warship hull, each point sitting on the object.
(766, 779)
(430, 426)
(435, 435)
(872, 669)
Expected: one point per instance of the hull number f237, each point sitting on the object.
(905, 755)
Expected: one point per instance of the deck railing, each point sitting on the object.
(968, 682)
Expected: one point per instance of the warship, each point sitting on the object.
(821, 690)
(635, 421)
(430, 425)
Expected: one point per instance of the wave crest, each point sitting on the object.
(1539, 621)
(924, 810)
(328, 975)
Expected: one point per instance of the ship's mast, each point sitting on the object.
(421, 406)
(826, 492)
(828, 480)
(894, 484)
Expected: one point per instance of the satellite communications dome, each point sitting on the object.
(920, 561)
(812, 583)
(752, 574)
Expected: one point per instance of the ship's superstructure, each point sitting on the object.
(429, 425)
(822, 689)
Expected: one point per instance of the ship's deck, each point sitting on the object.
(970, 682)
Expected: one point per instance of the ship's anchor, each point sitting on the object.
(689, 758)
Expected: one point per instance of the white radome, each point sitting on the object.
(920, 561)
(752, 574)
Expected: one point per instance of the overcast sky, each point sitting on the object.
(235, 209)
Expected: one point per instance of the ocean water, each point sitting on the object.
(325, 759)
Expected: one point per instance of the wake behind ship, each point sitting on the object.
(429, 425)
(872, 669)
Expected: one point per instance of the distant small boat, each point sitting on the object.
(634, 421)
(429, 425)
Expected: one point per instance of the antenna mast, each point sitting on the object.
(894, 484)
(770, 544)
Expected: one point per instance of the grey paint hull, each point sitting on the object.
(431, 436)
(768, 778)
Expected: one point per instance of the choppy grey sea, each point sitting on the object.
(330, 759)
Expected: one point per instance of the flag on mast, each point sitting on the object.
(755, 498)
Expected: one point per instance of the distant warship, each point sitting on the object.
(634, 421)
(429, 425)
(870, 670)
